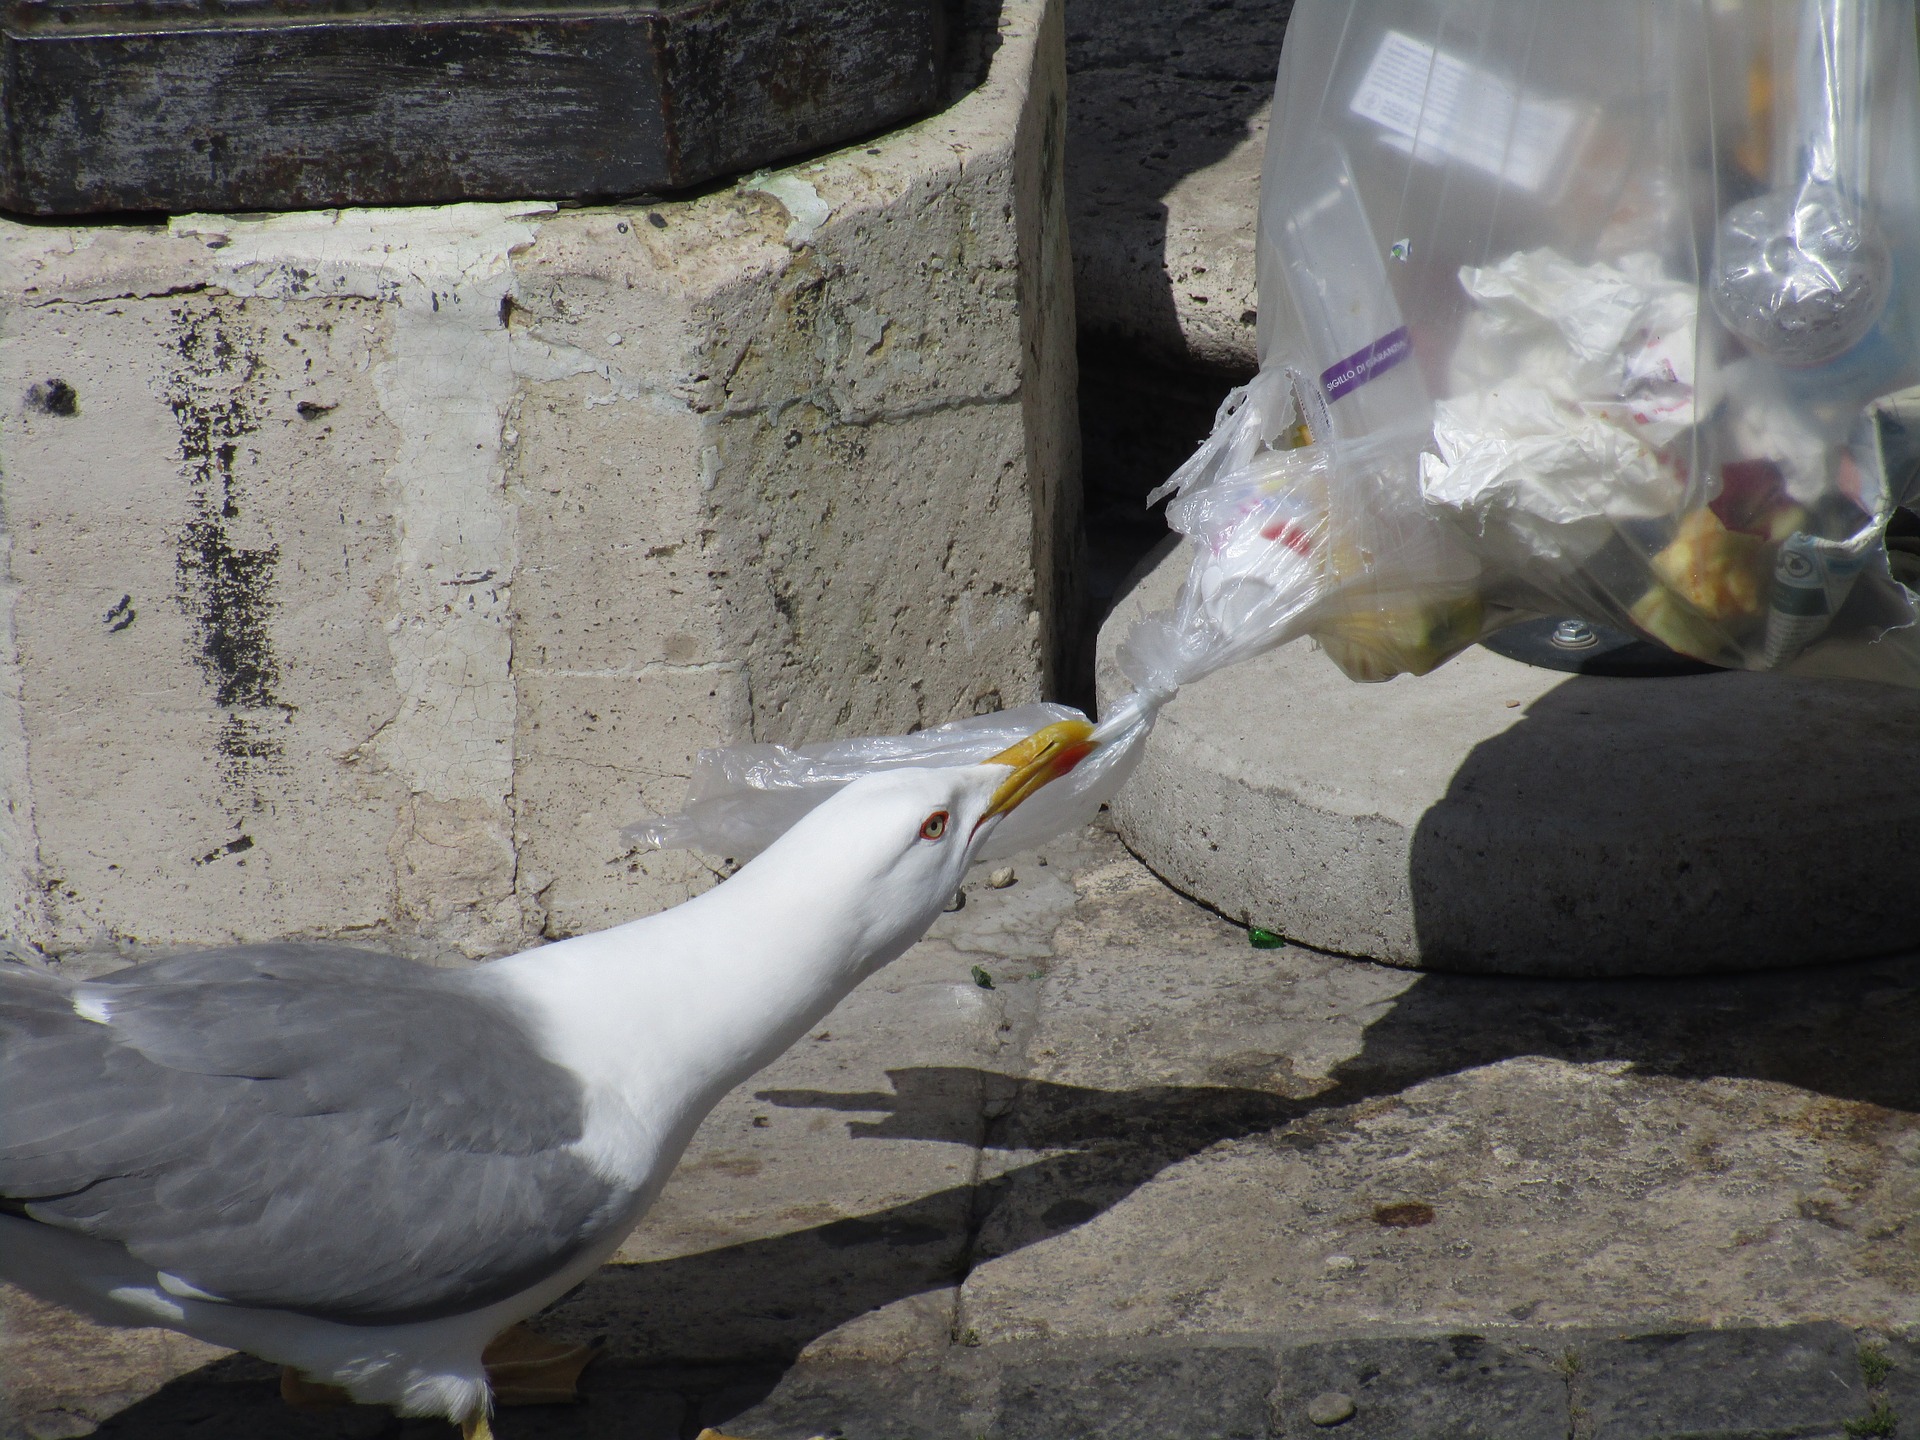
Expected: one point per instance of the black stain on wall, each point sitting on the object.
(53, 397)
(232, 847)
(225, 588)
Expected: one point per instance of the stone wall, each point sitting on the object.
(369, 570)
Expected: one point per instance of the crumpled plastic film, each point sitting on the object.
(744, 797)
(1595, 311)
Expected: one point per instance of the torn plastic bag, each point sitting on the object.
(744, 797)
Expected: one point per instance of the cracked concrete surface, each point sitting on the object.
(1150, 1150)
(1167, 130)
(369, 570)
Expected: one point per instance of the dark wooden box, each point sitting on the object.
(170, 105)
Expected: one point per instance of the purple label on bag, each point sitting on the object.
(1361, 366)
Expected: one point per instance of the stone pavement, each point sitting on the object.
(1157, 1182)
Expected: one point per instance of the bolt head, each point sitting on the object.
(1575, 635)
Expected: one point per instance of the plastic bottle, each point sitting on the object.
(1802, 274)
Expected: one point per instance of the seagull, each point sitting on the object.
(365, 1170)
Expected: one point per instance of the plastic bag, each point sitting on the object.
(1565, 309)
(1644, 278)
(744, 797)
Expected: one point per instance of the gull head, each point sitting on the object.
(888, 851)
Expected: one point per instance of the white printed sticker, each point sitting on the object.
(1436, 107)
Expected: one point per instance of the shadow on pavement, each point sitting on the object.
(1156, 92)
(768, 1299)
(705, 1336)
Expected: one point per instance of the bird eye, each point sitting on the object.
(934, 826)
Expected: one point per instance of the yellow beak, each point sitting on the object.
(1044, 755)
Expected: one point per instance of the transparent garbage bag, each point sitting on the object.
(1565, 309)
(1574, 309)
(744, 797)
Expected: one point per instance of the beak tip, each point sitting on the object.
(1042, 757)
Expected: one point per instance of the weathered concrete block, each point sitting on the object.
(1167, 131)
(369, 570)
(1497, 817)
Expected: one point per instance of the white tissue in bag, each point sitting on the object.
(1571, 383)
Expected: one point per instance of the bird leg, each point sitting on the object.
(296, 1389)
(475, 1427)
(526, 1369)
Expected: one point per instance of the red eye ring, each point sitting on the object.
(935, 825)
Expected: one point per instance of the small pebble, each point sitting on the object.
(1330, 1409)
(1342, 1262)
(982, 978)
(1002, 878)
(959, 902)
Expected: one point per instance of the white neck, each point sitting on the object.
(664, 1015)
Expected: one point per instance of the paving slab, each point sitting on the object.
(920, 1400)
(1216, 1138)
(1459, 1387)
(1891, 1367)
(1209, 1392)
(1737, 1384)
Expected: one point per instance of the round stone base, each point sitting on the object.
(1499, 818)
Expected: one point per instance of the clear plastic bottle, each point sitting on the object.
(1802, 274)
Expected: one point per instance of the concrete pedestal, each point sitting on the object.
(369, 570)
(1166, 134)
(1500, 818)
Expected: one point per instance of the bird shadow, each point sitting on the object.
(699, 1338)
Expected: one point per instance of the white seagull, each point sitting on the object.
(365, 1170)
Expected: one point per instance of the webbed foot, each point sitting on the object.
(527, 1369)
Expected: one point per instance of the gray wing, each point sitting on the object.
(325, 1130)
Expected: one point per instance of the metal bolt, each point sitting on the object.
(1574, 635)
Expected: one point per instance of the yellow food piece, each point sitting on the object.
(1373, 645)
(1783, 522)
(1721, 573)
(1668, 619)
